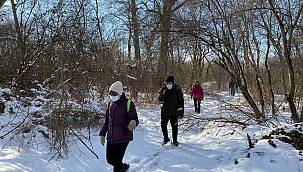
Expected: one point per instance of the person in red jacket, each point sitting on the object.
(197, 94)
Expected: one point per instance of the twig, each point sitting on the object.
(2, 137)
(83, 142)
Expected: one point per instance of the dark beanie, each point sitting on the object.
(170, 79)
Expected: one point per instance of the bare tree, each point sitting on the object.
(165, 15)
(287, 23)
(136, 29)
(165, 27)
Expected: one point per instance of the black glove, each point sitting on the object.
(162, 94)
(180, 113)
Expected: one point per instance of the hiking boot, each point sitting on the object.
(165, 141)
(125, 167)
(176, 143)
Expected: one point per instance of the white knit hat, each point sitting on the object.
(117, 87)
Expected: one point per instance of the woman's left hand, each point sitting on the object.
(132, 125)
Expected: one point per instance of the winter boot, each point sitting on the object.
(125, 167)
(166, 140)
(176, 143)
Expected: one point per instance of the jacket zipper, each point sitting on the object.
(113, 122)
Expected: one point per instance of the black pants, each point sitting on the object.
(174, 125)
(232, 91)
(114, 155)
(197, 103)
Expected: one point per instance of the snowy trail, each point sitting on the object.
(189, 156)
(211, 150)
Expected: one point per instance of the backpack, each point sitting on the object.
(127, 105)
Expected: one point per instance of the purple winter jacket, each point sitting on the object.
(117, 120)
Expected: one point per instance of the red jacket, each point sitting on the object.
(197, 92)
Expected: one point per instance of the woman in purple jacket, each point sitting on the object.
(119, 126)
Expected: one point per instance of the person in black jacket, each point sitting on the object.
(171, 96)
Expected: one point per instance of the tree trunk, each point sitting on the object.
(136, 30)
(20, 40)
(99, 24)
(250, 101)
(272, 95)
(165, 27)
(129, 41)
(287, 55)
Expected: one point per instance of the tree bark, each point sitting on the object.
(135, 27)
(272, 95)
(165, 27)
(287, 47)
(136, 30)
(20, 40)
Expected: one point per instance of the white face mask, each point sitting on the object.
(114, 98)
(169, 86)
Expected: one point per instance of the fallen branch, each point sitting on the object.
(83, 142)
(2, 137)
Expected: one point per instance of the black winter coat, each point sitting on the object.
(173, 101)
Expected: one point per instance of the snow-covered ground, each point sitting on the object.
(207, 147)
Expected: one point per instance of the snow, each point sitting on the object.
(131, 77)
(7, 4)
(207, 147)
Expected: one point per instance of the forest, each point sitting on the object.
(58, 59)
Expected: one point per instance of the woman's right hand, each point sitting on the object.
(102, 140)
